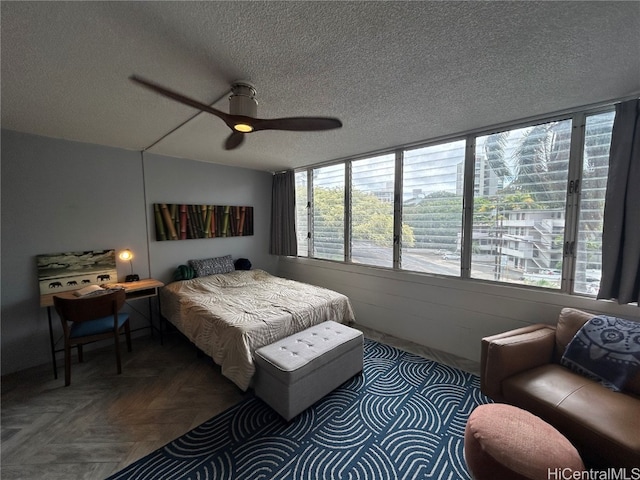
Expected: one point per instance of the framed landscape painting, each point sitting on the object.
(60, 272)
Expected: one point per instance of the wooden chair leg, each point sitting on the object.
(67, 365)
(127, 332)
(117, 341)
(80, 354)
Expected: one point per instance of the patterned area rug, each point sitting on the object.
(403, 418)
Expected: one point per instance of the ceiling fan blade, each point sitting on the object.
(234, 140)
(298, 124)
(182, 99)
(241, 124)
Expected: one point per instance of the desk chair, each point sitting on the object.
(85, 320)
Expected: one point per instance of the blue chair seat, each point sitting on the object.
(96, 326)
(88, 319)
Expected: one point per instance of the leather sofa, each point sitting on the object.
(522, 368)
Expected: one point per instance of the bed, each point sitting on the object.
(228, 316)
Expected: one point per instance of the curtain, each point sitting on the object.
(621, 231)
(283, 215)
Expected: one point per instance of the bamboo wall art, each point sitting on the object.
(182, 222)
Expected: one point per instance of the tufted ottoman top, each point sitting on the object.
(298, 355)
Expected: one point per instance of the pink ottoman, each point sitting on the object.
(508, 443)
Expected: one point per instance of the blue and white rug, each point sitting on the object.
(403, 418)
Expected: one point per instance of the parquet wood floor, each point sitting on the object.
(103, 421)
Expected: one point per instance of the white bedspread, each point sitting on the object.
(229, 316)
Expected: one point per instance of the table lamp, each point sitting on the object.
(128, 255)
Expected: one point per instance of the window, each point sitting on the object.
(595, 168)
(533, 216)
(432, 179)
(328, 212)
(302, 214)
(372, 194)
(520, 211)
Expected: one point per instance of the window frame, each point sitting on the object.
(569, 207)
(345, 205)
(350, 203)
(578, 119)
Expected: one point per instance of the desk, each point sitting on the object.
(146, 288)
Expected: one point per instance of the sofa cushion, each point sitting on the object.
(542, 389)
(633, 386)
(570, 321)
(594, 418)
(610, 419)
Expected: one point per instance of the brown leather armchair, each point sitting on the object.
(522, 368)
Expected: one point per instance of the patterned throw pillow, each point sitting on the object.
(212, 266)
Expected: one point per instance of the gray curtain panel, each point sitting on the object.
(621, 232)
(283, 215)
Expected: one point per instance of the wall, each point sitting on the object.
(172, 180)
(448, 314)
(61, 196)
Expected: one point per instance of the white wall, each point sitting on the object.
(60, 196)
(173, 180)
(448, 314)
(64, 196)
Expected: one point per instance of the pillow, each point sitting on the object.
(212, 266)
(183, 272)
(606, 349)
(242, 264)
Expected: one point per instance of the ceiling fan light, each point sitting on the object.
(243, 127)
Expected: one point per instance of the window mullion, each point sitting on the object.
(347, 211)
(310, 244)
(397, 211)
(573, 202)
(467, 206)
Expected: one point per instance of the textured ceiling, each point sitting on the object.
(395, 73)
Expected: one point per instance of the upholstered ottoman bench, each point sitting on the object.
(295, 372)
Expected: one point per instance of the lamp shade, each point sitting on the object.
(126, 255)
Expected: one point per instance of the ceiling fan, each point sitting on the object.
(241, 118)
